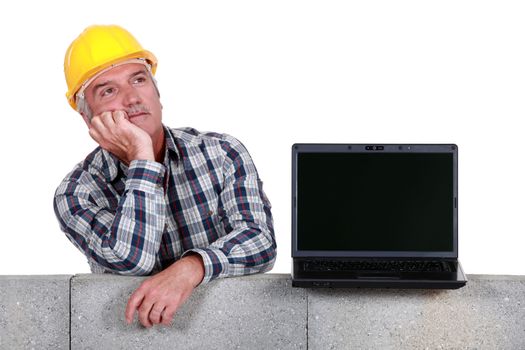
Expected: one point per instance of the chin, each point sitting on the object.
(153, 131)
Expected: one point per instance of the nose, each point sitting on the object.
(131, 96)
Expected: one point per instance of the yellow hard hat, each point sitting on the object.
(97, 48)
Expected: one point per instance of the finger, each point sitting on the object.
(121, 119)
(95, 135)
(155, 314)
(133, 303)
(107, 120)
(119, 116)
(144, 311)
(98, 125)
(167, 315)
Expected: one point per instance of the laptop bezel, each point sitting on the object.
(373, 148)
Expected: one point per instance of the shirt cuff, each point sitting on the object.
(145, 175)
(215, 263)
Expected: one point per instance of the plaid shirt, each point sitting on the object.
(205, 198)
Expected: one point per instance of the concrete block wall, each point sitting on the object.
(34, 312)
(263, 312)
(253, 312)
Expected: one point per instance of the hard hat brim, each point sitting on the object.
(144, 54)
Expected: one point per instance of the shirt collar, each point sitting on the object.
(171, 144)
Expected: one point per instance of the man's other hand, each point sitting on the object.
(159, 297)
(116, 134)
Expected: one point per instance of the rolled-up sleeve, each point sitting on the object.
(123, 238)
(249, 245)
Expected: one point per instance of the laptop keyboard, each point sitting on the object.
(394, 266)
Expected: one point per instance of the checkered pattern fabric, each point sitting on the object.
(205, 198)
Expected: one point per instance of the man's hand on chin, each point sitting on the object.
(116, 134)
(160, 296)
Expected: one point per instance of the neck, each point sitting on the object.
(159, 146)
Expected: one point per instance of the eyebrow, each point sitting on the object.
(104, 83)
(98, 86)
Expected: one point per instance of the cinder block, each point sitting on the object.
(250, 312)
(34, 312)
(489, 313)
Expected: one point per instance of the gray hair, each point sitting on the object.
(83, 106)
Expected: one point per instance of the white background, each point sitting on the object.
(273, 73)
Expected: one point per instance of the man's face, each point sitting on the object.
(129, 88)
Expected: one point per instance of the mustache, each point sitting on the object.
(137, 109)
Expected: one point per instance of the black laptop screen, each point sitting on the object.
(375, 201)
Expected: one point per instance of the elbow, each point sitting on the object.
(126, 268)
(266, 258)
(272, 257)
(269, 255)
(259, 260)
(129, 262)
(272, 250)
(140, 270)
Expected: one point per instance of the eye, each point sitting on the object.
(139, 79)
(107, 92)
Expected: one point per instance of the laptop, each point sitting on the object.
(375, 215)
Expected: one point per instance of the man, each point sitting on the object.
(183, 206)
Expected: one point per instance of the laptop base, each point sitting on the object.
(399, 284)
(309, 279)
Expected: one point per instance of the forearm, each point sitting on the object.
(136, 231)
(248, 245)
(246, 250)
(124, 239)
